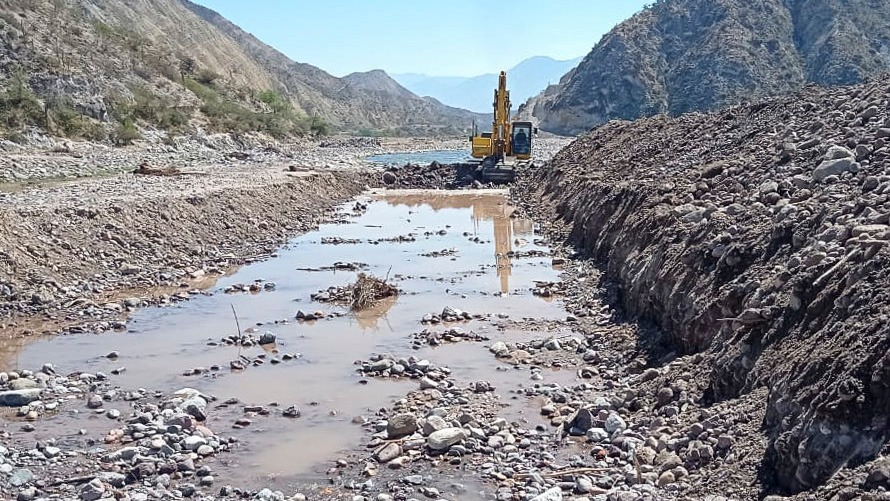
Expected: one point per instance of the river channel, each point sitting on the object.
(441, 249)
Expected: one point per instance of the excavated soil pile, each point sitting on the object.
(756, 238)
(434, 175)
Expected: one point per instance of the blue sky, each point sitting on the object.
(443, 37)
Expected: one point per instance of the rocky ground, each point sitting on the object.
(81, 253)
(50, 159)
(725, 281)
(756, 240)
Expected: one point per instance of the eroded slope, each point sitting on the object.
(757, 237)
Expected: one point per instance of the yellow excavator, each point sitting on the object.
(508, 145)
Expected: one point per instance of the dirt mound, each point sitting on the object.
(756, 238)
(433, 175)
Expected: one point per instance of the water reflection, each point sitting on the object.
(162, 344)
(485, 207)
(375, 319)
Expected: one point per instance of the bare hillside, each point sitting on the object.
(86, 67)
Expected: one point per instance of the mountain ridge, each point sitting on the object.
(109, 69)
(342, 98)
(695, 55)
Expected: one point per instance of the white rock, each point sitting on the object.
(554, 494)
(499, 349)
(615, 423)
(443, 439)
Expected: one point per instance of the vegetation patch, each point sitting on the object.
(277, 117)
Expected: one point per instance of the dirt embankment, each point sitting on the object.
(757, 239)
(85, 253)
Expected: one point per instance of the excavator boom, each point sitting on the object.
(507, 142)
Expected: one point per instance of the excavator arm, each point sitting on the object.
(507, 139)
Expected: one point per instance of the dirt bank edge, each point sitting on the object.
(725, 231)
(74, 265)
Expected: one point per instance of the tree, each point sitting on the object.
(187, 67)
(319, 127)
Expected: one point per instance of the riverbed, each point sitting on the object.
(460, 250)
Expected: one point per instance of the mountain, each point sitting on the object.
(678, 56)
(343, 101)
(475, 93)
(92, 67)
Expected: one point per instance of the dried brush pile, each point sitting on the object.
(364, 293)
(367, 291)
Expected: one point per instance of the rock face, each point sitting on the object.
(757, 238)
(693, 55)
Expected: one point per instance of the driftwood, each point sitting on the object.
(146, 170)
(368, 291)
(73, 480)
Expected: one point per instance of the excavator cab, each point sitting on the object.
(521, 140)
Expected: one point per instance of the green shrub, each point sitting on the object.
(319, 127)
(207, 77)
(66, 121)
(275, 101)
(19, 107)
(226, 115)
(15, 136)
(158, 111)
(125, 133)
(188, 66)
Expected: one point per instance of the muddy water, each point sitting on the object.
(475, 275)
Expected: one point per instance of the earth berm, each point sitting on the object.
(756, 240)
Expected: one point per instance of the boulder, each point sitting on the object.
(834, 167)
(554, 494)
(23, 384)
(580, 422)
(434, 424)
(388, 453)
(92, 491)
(401, 425)
(442, 440)
(18, 398)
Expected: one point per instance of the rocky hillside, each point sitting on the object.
(360, 100)
(757, 240)
(85, 68)
(692, 55)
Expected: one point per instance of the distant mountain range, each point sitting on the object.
(524, 80)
